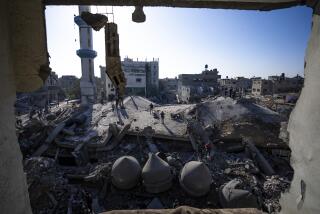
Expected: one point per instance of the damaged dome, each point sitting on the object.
(156, 175)
(232, 197)
(195, 178)
(125, 172)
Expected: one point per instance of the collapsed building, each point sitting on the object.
(103, 156)
(25, 67)
(193, 87)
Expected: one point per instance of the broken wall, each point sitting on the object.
(304, 129)
(28, 44)
(13, 188)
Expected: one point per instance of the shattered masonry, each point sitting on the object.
(220, 153)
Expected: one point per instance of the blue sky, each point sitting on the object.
(237, 43)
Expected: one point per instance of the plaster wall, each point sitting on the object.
(304, 129)
(13, 188)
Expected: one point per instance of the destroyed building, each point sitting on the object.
(47, 187)
(283, 84)
(67, 82)
(261, 87)
(277, 85)
(70, 84)
(49, 94)
(192, 87)
(107, 85)
(168, 88)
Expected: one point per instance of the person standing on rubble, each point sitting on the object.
(151, 108)
(162, 117)
(117, 97)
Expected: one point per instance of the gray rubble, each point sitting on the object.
(69, 154)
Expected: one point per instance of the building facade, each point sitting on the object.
(108, 89)
(283, 84)
(136, 76)
(68, 82)
(232, 87)
(168, 89)
(277, 85)
(261, 87)
(142, 77)
(193, 87)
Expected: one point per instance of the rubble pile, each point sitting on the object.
(94, 159)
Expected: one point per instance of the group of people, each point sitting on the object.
(118, 100)
(161, 114)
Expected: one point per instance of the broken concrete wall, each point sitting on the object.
(221, 4)
(304, 129)
(13, 188)
(28, 44)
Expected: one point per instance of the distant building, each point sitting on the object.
(227, 86)
(193, 87)
(50, 92)
(239, 85)
(71, 86)
(277, 85)
(52, 87)
(168, 88)
(283, 84)
(244, 84)
(68, 82)
(261, 87)
(142, 78)
(108, 89)
(99, 87)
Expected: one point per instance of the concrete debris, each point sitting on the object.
(156, 175)
(233, 197)
(155, 204)
(125, 172)
(262, 162)
(96, 21)
(195, 178)
(88, 159)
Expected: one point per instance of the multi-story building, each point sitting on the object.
(227, 86)
(283, 84)
(261, 86)
(168, 88)
(142, 78)
(192, 87)
(108, 89)
(50, 92)
(244, 84)
(239, 85)
(277, 85)
(52, 87)
(68, 82)
(168, 84)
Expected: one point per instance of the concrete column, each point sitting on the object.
(13, 188)
(304, 129)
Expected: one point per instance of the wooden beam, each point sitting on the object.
(264, 5)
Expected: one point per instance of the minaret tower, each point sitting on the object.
(87, 55)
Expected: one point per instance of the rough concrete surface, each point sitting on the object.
(28, 43)
(304, 129)
(13, 188)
